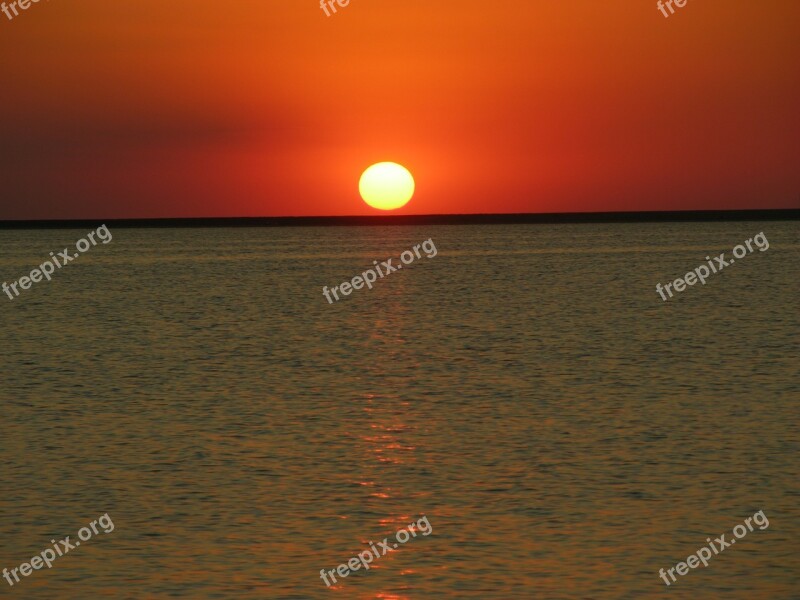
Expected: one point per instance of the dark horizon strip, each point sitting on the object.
(383, 220)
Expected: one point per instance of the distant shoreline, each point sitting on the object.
(687, 216)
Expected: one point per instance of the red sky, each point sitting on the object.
(267, 107)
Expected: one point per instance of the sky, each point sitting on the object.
(200, 108)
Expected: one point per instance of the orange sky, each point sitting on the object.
(148, 108)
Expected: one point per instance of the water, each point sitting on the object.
(565, 431)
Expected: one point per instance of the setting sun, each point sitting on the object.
(386, 186)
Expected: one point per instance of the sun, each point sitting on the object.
(386, 186)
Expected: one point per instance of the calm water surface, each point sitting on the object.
(566, 432)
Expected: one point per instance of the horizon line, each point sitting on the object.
(431, 219)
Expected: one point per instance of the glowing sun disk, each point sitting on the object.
(386, 186)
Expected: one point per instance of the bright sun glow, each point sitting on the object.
(386, 186)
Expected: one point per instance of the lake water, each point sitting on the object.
(565, 431)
